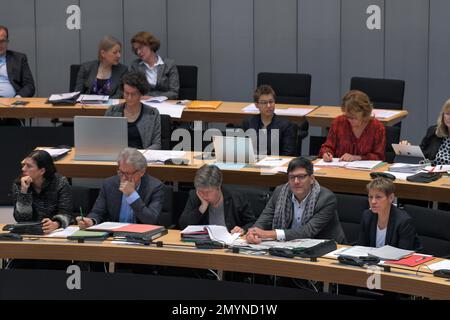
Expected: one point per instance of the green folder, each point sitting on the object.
(88, 235)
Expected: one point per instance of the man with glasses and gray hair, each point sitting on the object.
(213, 204)
(299, 209)
(16, 79)
(131, 196)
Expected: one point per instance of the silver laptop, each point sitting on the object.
(405, 153)
(234, 149)
(99, 138)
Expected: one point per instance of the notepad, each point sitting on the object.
(412, 261)
(88, 235)
(197, 104)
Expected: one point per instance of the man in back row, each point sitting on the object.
(16, 79)
(299, 209)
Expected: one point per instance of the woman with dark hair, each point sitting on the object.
(144, 122)
(161, 74)
(41, 194)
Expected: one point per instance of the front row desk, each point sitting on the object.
(180, 254)
(336, 179)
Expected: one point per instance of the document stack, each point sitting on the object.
(406, 167)
(208, 232)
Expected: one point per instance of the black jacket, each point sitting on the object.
(19, 73)
(430, 143)
(287, 133)
(88, 73)
(236, 209)
(400, 233)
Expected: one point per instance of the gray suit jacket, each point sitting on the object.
(167, 81)
(324, 224)
(146, 209)
(19, 73)
(149, 126)
(88, 73)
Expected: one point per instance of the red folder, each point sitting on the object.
(411, 261)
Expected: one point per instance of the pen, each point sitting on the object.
(81, 214)
(420, 259)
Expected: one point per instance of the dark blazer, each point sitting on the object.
(287, 133)
(324, 224)
(146, 209)
(167, 79)
(88, 73)
(19, 73)
(400, 233)
(430, 143)
(236, 208)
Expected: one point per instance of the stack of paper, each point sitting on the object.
(406, 167)
(162, 155)
(355, 251)
(299, 112)
(170, 109)
(383, 114)
(390, 253)
(56, 153)
(273, 162)
(93, 99)
(64, 97)
(356, 165)
(438, 168)
(155, 99)
(214, 233)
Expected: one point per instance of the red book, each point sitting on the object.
(411, 261)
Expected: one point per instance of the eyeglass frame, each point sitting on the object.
(126, 175)
(300, 177)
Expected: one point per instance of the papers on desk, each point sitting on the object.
(230, 165)
(405, 167)
(93, 99)
(266, 245)
(251, 108)
(355, 165)
(108, 226)
(215, 233)
(400, 175)
(155, 99)
(162, 155)
(56, 153)
(383, 114)
(355, 251)
(299, 112)
(170, 109)
(390, 253)
(438, 168)
(444, 264)
(273, 162)
(64, 233)
(63, 96)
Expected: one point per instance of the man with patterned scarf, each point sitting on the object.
(299, 209)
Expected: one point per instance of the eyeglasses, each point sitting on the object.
(4, 41)
(138, 48)
(300, 177)
(266, 102)
(126, 175)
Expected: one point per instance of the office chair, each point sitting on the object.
(166, 132)
(188, 82)
(392, 136)
(350, 208)
(290, 88)
(384, 93)
(74, 69)
(432, 229)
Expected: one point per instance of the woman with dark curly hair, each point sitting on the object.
(144, 122)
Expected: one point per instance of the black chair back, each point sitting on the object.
(315, 143)
(188, 82)
(166, 132)
(257, 197)
(350, 208)
(74, 69)
(392, 136)
(432, 227)
(166, 215)
(384, 93)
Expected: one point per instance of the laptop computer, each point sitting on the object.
(99, 138)
(234, 149)
(407, 153)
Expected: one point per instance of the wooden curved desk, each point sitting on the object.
(326, 270)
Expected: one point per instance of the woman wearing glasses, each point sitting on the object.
(355, 135)
(144, 122)
(161, 74)
(103, 76)
(266, 126)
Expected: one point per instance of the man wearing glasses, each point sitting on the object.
(299, 209)
(267, 126)
(16, 79)
(131, 196)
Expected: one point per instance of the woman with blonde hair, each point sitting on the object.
(103, 76)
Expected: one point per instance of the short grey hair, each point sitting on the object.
(208, 176)
(134, 157)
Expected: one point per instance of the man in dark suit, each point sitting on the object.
(299, 209)
(132, 196)
(16, 79)
(211, 203)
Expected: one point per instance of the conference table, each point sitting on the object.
(228, 112)
(336, 179)
(176, 253)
